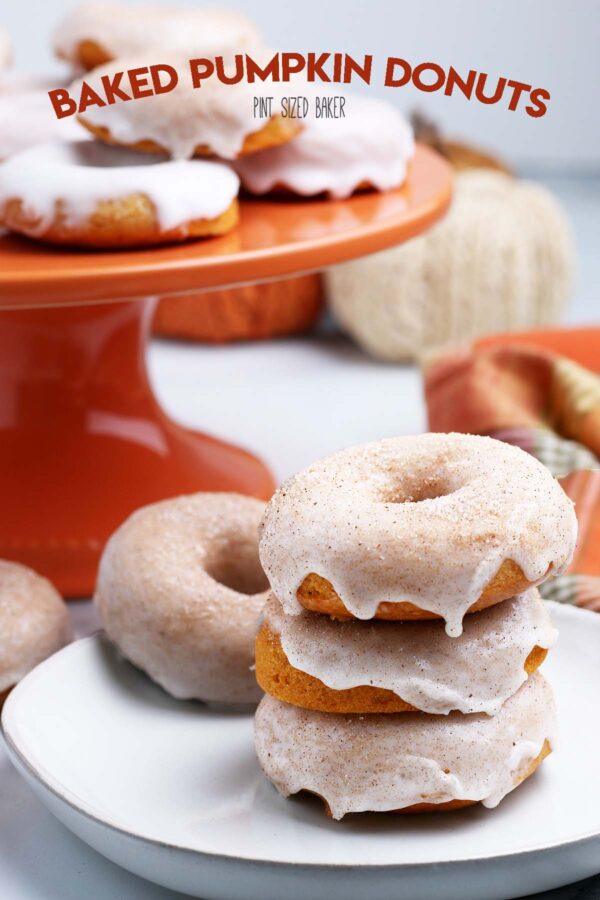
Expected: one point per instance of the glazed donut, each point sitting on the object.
(429, 526)
(95, 33)
(369, 147)
(214, 120)
(180, 590)
(85, 194)
(317, 663)
(412, 761)
(28, 105)
(34, 623)
(248, 313)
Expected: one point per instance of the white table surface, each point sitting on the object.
(291, 402)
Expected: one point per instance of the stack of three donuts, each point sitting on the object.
(372, 702)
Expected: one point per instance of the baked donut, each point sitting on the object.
(317, 663)
(248, 313)
(180, 590)
(429, 526)
(95, 33)
(215, 120)
(26, 102)
(86, 194)
(34, 623)
(411, 762)
(369, 146)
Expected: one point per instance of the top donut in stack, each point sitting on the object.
(403, 576)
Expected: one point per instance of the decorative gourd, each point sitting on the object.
(249, 313)
(501, 259)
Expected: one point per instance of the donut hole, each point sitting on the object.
(413, 490)
(235, 565)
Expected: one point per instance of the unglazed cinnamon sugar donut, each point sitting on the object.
(216, 119)
(88, 195)
(248, 313)
(412, 761)
(429, 526)
(179, 592)
(95, 33)
(368, 147)
(317, 663)
(34, 623)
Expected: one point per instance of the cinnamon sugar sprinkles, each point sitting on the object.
(416, 661)
(401, 715)
(390, 762)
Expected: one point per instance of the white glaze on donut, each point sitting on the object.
(27, 118)
(427, 519)
(387, 762)
(123, 31)
(12, 82)
(218, 115)
(80, 175)
(370, 146)
(34, 622)
(474, 673)
(180, 590)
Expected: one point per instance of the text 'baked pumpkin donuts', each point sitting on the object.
(214, 120)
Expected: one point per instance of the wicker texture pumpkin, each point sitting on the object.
(502, 259)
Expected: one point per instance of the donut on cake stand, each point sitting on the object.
(83, 441)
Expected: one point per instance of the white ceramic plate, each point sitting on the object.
(172, 791)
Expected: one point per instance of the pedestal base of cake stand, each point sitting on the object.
(83, 441)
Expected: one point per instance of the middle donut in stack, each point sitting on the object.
(373, 702)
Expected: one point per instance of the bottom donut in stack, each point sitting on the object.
(385, 716)
(409, 762)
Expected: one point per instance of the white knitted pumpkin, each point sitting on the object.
(500, 260)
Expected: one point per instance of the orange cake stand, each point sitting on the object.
(83, 441)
